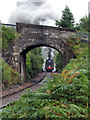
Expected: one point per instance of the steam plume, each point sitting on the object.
(34, 12)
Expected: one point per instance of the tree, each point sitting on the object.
(34, 62)
(67, 19)
(59, 62)
(84, 25)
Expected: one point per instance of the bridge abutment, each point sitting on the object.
(22, 65)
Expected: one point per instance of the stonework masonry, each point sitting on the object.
(35, 36)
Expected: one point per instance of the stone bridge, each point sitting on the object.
(33, 36)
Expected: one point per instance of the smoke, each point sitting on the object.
(49, 52)
(38, 12)
(34, 12)
(46, 51)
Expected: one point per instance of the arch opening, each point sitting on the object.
(22, 62)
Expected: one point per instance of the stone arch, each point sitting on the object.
(22, 60)
(22, 55)
(32, 36)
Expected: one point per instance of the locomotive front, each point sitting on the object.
(49, 65)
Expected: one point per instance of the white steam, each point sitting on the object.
(34, 12)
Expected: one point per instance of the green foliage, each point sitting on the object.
(34, 62)
(67, 20)
(77, 46)
(59, 62)
(89, 23)
(65, 96)
(84, 25)
(9, 76)
(8, 35)
(78, 27)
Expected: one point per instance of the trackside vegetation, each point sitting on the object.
(65, 96)
(10, 77)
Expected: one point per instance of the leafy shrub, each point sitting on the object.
(9, 34)
(9, 76)
(76, 45)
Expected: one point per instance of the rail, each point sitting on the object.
(37, 80)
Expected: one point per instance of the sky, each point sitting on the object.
(79, 8)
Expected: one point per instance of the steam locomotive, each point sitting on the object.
(49, 65)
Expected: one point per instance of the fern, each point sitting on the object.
(63, 97)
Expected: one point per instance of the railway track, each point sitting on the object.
(9, 99)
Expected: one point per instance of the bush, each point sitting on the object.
(8, 35)
(76, 45)
(10, 76)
